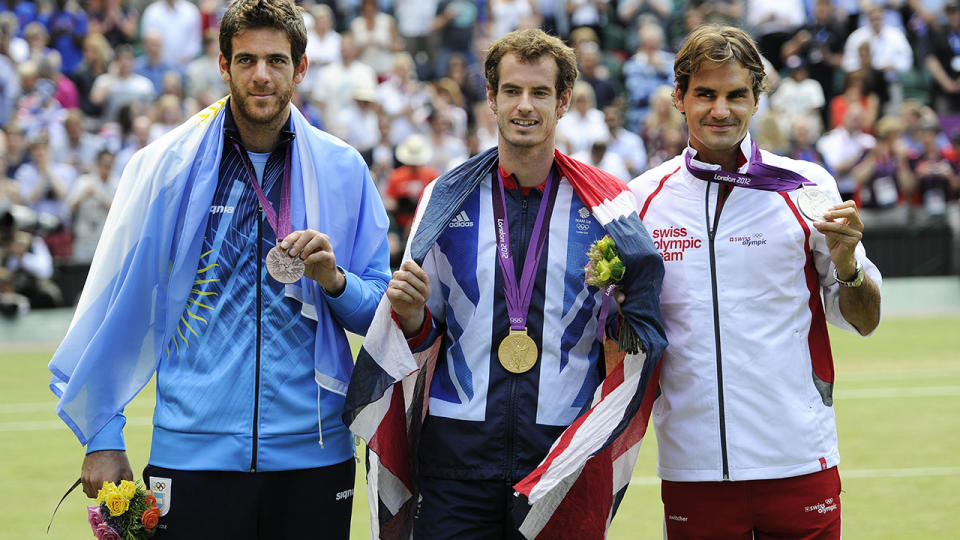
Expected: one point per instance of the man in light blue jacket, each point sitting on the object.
(240, 248)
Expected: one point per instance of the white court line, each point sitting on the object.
(57, 424)
(916, 391)
(847, 473)
(899, 374)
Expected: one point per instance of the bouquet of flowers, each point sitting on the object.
(124, 512)
(605, 270)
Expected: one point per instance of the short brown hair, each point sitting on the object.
(250, 14)
(529, 45)
(719, 44)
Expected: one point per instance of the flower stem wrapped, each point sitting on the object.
(604, 270)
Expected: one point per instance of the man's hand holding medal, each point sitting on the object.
(313, 252)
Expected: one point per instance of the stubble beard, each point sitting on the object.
(256, 117)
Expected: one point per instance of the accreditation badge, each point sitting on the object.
(161, 488)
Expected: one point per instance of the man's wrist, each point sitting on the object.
(849, 279)
(412, 325)
(338, 286)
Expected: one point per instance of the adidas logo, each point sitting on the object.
(461, 220)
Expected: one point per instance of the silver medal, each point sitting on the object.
(813, 203)
(282, 267)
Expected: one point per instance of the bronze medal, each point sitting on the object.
(284, 268)
(517, 352)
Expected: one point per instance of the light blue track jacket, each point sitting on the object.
(240, 382)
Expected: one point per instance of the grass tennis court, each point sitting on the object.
(897, 398)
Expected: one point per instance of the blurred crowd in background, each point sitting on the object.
(84, 85)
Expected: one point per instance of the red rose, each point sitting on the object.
(150, 500)
(151, 517)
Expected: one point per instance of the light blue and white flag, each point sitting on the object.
(146, 262)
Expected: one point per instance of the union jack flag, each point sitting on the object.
(576, 489)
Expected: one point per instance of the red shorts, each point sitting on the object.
(801, 507)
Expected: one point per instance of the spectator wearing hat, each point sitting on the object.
(943, 63)
(405, 185)
(360, 122)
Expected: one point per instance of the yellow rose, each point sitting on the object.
(127, 488)
(107, 489)
(117, 503)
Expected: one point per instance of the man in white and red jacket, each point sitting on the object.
(759, 253)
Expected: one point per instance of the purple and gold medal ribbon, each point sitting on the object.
(758, 176)
(282, 225)
(518, 297)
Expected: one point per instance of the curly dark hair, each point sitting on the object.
(280, 14)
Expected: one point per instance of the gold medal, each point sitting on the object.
(517, 352)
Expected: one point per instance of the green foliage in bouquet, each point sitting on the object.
(604, 270)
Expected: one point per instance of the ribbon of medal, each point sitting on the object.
(280, 266)
(517, 351)
(812, 202)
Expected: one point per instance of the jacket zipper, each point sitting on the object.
(711, 234)
(256, 385)
(515, 377)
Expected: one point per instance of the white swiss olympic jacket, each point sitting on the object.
(748, 375)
